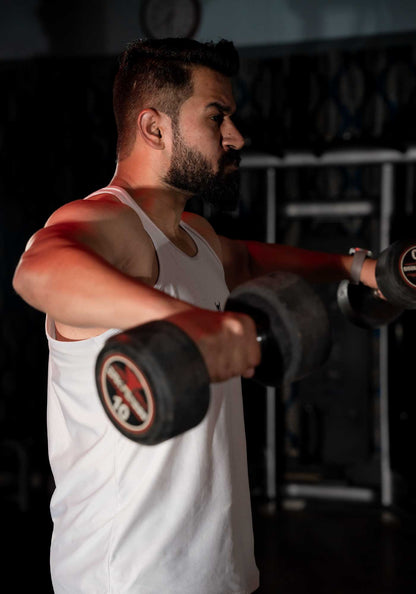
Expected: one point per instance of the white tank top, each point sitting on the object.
(174, 518)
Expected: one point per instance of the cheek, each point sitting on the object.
(202, 134)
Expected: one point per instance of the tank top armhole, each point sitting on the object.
(201, 238)
(124, 197)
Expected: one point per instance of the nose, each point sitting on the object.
(232, 138)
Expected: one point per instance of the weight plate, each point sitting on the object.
(294, 321)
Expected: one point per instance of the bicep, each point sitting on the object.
(93, 226)
(86, 235)
(107, 228)
(70, 272)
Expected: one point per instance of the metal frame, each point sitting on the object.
(386, 159)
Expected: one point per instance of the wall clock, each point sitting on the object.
(170, 18)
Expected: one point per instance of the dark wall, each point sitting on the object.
(57, 142)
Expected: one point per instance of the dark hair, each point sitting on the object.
(157, 73)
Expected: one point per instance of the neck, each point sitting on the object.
(164, 205)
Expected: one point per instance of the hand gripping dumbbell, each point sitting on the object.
(152, 379)
(396, 279)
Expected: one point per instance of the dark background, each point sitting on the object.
(57, 141)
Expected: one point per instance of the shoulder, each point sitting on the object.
(205, 229)
(111, 229)
(101, 207)
(101, 216)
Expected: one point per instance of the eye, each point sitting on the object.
(218, 118)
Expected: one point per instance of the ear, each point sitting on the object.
(150, 127)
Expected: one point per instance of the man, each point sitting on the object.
(172, 518)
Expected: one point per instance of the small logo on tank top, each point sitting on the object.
(218, 305)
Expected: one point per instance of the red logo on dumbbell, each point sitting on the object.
(126, 395)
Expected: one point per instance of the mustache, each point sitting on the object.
(231, 157)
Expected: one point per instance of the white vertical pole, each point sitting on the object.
(270, 391)
(386, 209)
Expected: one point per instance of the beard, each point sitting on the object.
(191, 172)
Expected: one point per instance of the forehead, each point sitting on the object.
(210, 87)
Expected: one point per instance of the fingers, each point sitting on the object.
(234, 350)
(379, 294)
(227, 341)
(368, 273)
(249, 373)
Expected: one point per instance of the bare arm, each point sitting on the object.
(247, 259)
(92, 267)
(72, 269)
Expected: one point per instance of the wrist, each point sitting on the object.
(359, 257)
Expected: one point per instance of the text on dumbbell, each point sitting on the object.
(121, 385)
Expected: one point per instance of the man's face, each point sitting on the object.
(206, 144)
(192, 173)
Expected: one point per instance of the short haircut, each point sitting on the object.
(157, 73)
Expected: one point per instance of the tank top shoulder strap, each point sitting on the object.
(157, 236)
(124, 197)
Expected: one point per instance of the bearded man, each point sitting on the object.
(173, 518)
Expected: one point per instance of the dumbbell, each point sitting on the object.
(396, 279)
(152, 379)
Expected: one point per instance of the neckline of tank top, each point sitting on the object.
(195, 236)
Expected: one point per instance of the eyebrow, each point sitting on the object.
(226, 109)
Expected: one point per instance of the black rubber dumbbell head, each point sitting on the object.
(152, 382)
(396, 273)
(363, 307)
(292, 324)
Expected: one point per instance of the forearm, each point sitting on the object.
(314, 266)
